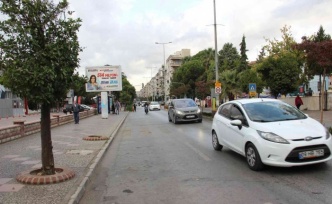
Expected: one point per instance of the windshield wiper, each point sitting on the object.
(263, 121)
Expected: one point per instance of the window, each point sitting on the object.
(225, 110)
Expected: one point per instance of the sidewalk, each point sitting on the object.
(69, 149)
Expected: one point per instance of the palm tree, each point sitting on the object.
(230, 86)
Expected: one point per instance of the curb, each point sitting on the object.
(76, 197)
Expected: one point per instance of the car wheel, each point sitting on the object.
(174, 119)
(200, 120)
(215, 142)
(253, 159)
(169, 119)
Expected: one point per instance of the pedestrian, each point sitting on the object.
(298, 101)
(117, 107)
(76, 111)
(134, 107)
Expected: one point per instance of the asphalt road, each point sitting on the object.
(154, 161)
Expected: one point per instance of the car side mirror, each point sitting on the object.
(237, 123)
(170, 106)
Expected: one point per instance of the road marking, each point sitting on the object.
(206, 158)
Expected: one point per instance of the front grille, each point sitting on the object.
(193, 111)
(303, 139)
(293, 156)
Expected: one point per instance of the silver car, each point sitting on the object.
(182, 110)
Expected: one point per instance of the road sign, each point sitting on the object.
(252, 93)
(218, 90)
(252, 87)
(217, 84)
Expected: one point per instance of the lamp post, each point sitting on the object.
(216, 51)
(164, 71)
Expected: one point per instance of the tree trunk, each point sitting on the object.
(46, 141)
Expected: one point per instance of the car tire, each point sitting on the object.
(253, 159)
(174, 119)
(215, 142)
(200, 120)
(169, 119)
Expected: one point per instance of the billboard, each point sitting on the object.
(103, 78)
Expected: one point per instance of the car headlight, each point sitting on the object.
(328, 134)
(179, 112)
(272, 137)
(198, 110)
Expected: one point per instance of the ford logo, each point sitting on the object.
(308, 138)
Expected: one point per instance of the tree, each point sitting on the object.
(280, 73)
(230, 87)
(39, 55)
(229, 58)
(281, 69)
(243, 56)
(318, 53)
(250, 76)
(188, 74)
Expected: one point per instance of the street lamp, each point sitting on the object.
(164, 71)
(215, 50)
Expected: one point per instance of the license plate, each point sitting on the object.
(190, 116)
(311, 154)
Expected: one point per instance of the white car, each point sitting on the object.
(154, 106)
(270, 132)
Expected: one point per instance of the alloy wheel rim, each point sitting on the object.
(214, 140)
(251, 157)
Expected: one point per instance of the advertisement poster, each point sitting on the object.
(103, 78)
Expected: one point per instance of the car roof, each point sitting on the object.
(254, 100)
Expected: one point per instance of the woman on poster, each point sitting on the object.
(92, 84)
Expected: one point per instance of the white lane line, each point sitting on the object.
(206, 158)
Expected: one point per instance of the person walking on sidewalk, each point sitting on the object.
(76, 111)
(298, 101)
(134, 107)
(117, 107)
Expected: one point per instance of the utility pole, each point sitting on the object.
(164, 70)
(216, 50)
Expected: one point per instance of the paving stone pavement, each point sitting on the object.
(69, 149)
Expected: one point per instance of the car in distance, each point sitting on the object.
(86, 107)
(270, 132)
(154, 105)
(68, 108)
(182, 110)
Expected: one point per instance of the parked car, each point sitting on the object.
(154, 105)
(86, 107)
(270, 132)
(68, 108)
(181, 110)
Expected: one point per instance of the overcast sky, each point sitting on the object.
(124, 32)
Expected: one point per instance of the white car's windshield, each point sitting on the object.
(272, 112)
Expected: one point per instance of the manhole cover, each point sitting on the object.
(95, 138)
